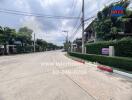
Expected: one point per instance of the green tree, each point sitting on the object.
(26, 32)
(24, 35)
(7, 35)
(42, 44)
(107, 26)
(99, 15)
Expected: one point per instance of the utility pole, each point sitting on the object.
(82, 20)
(34, 43)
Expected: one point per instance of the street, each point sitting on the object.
(52, 75)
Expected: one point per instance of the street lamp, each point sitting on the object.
(66, 45)
(67, 34)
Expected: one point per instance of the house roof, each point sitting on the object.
(89, 26)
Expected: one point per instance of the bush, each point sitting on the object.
(117, 62)
(24, 49)
(122, 47)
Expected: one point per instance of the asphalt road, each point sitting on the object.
(53, 76)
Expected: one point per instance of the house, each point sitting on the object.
(77, 45)
(90, 35)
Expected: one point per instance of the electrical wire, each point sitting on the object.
(72, 12)
(36, 15)
(89, 18)
(74, 34)
(73, 3)
(74, 6)
(77, 22)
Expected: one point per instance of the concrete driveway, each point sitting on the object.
(53, 76)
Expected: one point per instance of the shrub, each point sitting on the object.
(117, 62)
(122, 47)
(24, 49)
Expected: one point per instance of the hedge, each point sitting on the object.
(122, 47)
(26, 49)
(117, 62)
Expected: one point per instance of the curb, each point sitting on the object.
(123, 73)
(111, 70)
(80, 61)
(105, 68)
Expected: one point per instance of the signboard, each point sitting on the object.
(117, 11)
(105, 51)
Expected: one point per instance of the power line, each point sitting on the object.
(89, 18)
(80, 26)
(75, 31)
(35, 15)
(73, 3)
(74, 6)
(75, 25)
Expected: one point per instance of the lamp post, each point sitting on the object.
(67, 41)
(66, 33)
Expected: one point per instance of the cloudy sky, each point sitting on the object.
(47, 28)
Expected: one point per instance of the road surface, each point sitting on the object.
(53, 76)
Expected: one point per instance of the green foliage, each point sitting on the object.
(107, 26)
(24, 35)
(99, 15)
(106, 12)
(114, 30)
(1, 30)
(42, 44)
(51, 46)
(123, 47)
(117, 62)
(24, 49)
(128, 12)
(26, 32)
(9, 36)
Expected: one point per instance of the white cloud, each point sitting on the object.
(47, 3)
(49, 29)
(22, 5)
(31, 23)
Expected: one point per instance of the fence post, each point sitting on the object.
(85, 50)
(111, 51)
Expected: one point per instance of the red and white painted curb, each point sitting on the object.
(111, 70)
(80, 61)
(105, 68)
